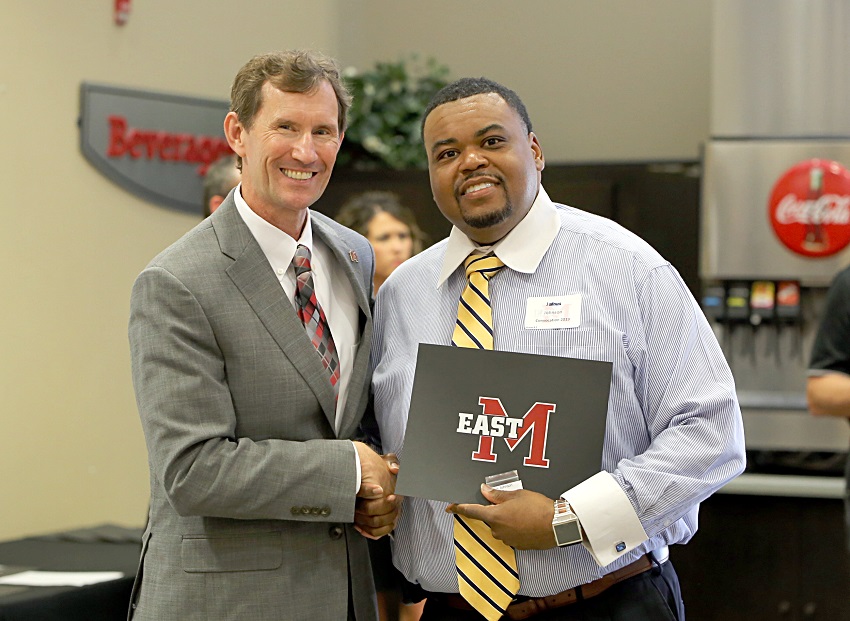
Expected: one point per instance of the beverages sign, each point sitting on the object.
(809, 208)
(154, 145)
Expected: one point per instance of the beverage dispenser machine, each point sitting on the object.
(775, 231)
(775, 206)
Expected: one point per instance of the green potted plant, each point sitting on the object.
(389, 100)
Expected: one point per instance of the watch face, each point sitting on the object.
(567, 533)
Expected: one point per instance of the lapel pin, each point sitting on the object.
(353, 255)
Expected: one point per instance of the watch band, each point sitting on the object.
(565, 525)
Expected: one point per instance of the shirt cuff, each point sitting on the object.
(610, 524)
(359, 471)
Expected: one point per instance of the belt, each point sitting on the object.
(524, 608)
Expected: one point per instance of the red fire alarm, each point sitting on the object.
(122, 11)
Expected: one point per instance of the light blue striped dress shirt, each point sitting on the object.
(673, 434)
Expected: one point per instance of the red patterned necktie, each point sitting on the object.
(312, 315)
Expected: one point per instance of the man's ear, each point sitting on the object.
(539, 160)
(234, 131)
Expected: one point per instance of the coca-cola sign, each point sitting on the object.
(809, 208)
(156, 145)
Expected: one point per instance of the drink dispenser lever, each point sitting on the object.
(788, 311)
(738, 314)
(762, 305)
(714, 308)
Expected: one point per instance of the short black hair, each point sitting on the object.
(467, 87)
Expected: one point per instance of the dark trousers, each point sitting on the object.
(651, 596)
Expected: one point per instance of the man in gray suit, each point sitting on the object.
(250, 347)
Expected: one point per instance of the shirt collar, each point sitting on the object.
(278, 247)
(521, 249)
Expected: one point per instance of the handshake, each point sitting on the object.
(377, 506)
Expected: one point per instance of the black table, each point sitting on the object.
(102, 548)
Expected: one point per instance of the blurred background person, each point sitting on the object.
(395, 236)
(828, 384)
(389, 226)
(222, 176)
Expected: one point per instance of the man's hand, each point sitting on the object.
(376, 509)
(521, 518)
(377, 473)
(375, 518)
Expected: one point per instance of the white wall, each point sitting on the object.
(603, 79)
(72, 451)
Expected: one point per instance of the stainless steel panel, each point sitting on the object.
(779, 68)
(772, 359)
(737, 239)
(794, 431)
(785, 485)
(769, 364)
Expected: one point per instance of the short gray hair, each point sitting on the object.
(222, 176)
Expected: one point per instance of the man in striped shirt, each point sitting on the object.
(674, 433)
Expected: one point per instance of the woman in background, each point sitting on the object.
(392, 230)
(388, 225)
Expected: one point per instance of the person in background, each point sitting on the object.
(388, 225)
(249, 342)
(395, 236)
(674, 433)
(222, 176)
(828, 384)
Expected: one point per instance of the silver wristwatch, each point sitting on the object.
(565, 524)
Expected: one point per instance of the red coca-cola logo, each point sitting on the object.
(809, 208)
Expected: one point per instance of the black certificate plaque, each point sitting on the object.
(553, 412)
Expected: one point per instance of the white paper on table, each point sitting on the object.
(59, 578)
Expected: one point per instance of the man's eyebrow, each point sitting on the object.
(478, 134)
(442, 143)
(286, 120)
(487, 129)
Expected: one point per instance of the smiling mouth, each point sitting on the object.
(300, 175)
(477, 188)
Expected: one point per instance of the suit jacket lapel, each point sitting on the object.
(254, 277)
(345, 260)
(360, 366)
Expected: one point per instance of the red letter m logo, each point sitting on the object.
(535, 422)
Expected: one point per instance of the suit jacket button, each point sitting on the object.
(315, 511)
(325, 512)
(305, 510)
(336, 532)
(295, 510)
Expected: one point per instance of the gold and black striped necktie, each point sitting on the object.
(487, 575)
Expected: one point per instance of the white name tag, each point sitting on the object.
(553, 312)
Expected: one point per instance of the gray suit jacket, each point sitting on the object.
(252, 491)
